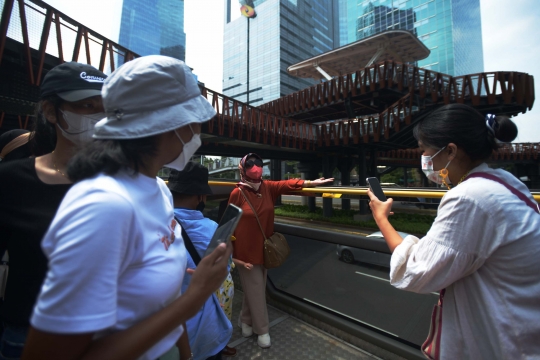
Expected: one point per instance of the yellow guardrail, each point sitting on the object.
(362, 190)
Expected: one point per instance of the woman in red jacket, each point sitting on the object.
(248, 247)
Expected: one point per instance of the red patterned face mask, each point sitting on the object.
(254, 173)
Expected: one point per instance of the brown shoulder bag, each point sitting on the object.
(276, 249)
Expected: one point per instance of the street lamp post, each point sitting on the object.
(249, 13)
(247, 72)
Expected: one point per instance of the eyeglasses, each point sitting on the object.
(256, 162)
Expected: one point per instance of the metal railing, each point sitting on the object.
(71, 39)
(238, 120)
(362, 191)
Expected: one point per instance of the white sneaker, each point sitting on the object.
(247, 330)
(263, 340)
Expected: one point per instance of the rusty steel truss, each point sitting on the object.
(378, 102)
(60, 23)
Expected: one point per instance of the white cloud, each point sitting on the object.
(102, 16)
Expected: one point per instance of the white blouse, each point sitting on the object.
(484, 248)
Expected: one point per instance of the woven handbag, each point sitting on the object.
(276, 249)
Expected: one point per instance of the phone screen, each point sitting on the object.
(226, 227)
(375, 186)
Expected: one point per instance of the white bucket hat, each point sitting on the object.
(151, 95)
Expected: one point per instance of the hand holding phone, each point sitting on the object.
(226, 227)
(376, 188)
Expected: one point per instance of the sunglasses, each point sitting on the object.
(256, 162)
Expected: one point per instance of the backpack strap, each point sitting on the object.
(189, 245)
(512, 189)
(13, 144)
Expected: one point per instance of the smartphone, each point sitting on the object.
(376, 188)
(226, 227)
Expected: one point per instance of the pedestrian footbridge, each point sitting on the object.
(374, 107)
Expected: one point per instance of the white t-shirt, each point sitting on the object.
(115, 256)
(484, 248)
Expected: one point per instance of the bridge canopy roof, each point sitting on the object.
(397, 45)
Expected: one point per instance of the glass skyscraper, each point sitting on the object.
(282, 33)
(154, 27)
(451, 29)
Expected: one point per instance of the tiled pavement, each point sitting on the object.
(292, 339)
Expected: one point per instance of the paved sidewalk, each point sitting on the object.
(292, 339)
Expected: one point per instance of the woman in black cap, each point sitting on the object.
(31, 189)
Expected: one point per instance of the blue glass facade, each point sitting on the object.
(283, 33)
(451, 29)
(151, 27)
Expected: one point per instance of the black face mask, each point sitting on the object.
(200, 206)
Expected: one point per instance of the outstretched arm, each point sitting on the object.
(317, 182)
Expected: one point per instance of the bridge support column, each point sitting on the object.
(373, 160)
(327, 170)
(345, 165)
(534, 175)
(362, 175)
(405, 177)
(275, 174)
(309, 171)
(532, 171)
(425, 181)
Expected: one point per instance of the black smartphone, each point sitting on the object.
(226, 227)
(376, 188)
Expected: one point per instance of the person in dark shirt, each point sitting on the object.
(31, 189)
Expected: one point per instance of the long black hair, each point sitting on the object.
(43, 134)
(111, 156)
(464, 126)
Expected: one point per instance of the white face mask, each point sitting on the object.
(80, 127)
(187, 152)
(427, 168)
(255, 186)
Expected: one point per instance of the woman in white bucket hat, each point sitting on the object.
(116, 257)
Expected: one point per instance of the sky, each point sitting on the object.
(510, 35)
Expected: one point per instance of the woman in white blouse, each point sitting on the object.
(483, 247)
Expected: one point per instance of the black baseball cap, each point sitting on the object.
(193, 180)
(72, 81)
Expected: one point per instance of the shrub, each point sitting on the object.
(409, 223)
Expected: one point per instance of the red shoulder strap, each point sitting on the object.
(512, 189)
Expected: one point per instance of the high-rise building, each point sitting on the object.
(154, 27)
(282, 33)
(451, 29)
